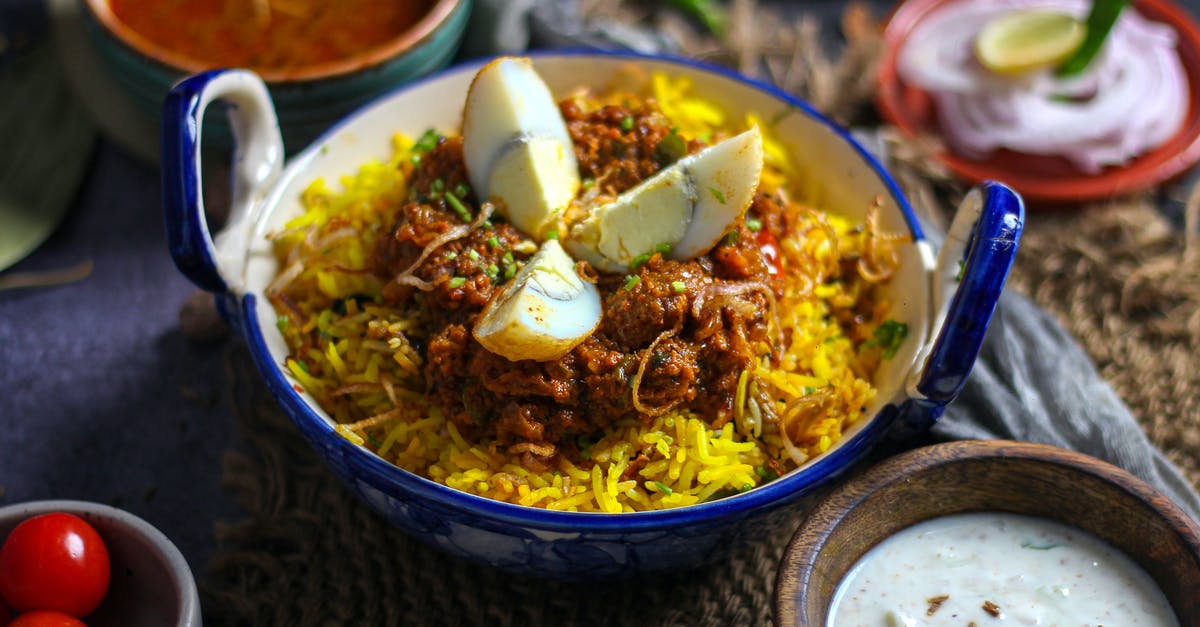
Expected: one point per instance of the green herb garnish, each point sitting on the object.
(678, 287)
(627, 123)
(428, 140)
(670, 149)
(458, 207)
(664, 488)
(631, 281)
(457, 282)
(1039, 547)
(754, 224)
(1099, 22)
(889, 336)
(717, 194)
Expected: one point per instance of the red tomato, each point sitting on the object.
(46, 618)
(770, 251)
(54, 562)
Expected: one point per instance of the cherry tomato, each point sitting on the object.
(54, 562)
(770, 251)
(46, 618)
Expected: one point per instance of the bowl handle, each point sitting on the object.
(971, 269)
(217, 266)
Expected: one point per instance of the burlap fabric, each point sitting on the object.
(1121, 277)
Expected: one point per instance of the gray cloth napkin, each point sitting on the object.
(1032, 381)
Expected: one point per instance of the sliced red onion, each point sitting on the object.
(1132, 98)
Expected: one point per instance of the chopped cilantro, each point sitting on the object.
(766, 473)
(1039, 547)
(889, 336)
(428, 140)
(670, 149)
(458, 207)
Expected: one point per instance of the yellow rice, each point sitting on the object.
(362, 368)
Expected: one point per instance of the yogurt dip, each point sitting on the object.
(995, 568)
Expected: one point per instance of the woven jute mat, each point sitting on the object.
(1122, 277)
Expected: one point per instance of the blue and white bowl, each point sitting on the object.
(947, 314)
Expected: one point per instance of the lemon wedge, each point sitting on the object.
(1023, 41)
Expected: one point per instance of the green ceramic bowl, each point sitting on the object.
(307, 99)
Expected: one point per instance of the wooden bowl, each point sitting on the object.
(1002, 476)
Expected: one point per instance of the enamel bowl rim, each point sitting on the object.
(439, 14)
(360, 461)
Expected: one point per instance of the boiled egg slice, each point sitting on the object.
(685, 207)
(516, 146)
(543, 313)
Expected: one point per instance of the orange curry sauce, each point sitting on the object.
(269, 34)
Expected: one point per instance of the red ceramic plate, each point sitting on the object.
(1044, 179)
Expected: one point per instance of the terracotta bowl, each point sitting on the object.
(1001, 476)
(151, 583)
(1044, 179)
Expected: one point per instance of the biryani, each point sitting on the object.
(522, 356)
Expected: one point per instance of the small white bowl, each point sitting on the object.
(151, 583)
